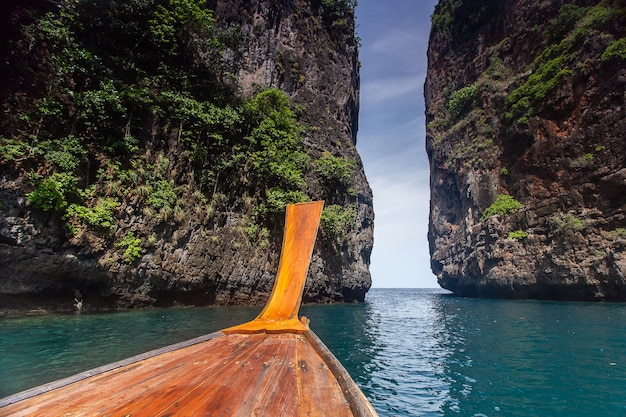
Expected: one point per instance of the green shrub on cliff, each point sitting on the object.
(567, 19)
(548, 75)
(443, 16)
(131, 246)
(334, 168)
(616, 50)
(463, 100)
(569, 35)
(335, 15)
(517, 234)
(100, 216)
(566, 222)
(277, 199)
(52, 193)
(162, 194)
(339, 7)
(340, 4)
(65, 154)
(275, 142)
(504, 204)
(336, 220)
(12, 150)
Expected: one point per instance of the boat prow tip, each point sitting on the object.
(280, 314)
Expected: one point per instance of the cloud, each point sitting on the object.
(396, 163)
(380, 90)
(391, 137)
(400, 257)
(397, 40)
(399, 179)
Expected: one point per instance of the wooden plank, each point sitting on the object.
(106, 368)
(179, 390)
(359, 404)
(279, 391)
(265, 373)
(226, 388)
(136, 384)
(321, 394)
(235, 375)
(273, 365)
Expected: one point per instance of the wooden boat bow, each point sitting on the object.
(273, 365)
(281, 311)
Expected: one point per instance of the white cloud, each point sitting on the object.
(403, 40)
(384, 89)
(391, 137)
(400, 257)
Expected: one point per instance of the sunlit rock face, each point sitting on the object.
(212, 246)
(526, 114)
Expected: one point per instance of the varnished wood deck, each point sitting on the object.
(272, 366)
(230, 375)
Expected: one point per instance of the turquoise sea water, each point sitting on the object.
(414, 352)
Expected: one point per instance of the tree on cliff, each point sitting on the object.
(124, 121)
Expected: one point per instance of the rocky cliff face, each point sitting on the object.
(526, 114)
(167, 184)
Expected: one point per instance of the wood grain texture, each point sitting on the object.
(281, 311)
(271, 366)
(231, 375)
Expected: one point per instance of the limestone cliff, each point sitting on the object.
(526, 114)
(149, 149)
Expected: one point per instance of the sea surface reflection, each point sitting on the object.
(418, 352)
(407, 368)
(414, 352)
(40, 349)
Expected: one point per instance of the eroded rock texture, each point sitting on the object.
(207, 249)
(527, 99)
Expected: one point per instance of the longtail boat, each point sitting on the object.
(273, 365)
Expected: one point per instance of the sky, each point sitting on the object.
(390, 140)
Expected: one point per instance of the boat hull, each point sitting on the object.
(273, 365)
(283, 374)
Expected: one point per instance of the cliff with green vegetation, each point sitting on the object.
(148, 149)
(526, 114)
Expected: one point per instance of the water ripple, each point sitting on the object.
(413, 352)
